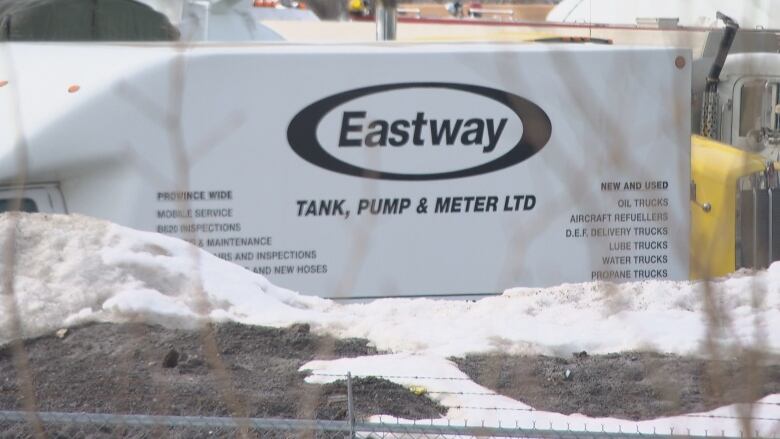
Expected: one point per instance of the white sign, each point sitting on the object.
(364, 171)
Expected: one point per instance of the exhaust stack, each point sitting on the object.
(710, 114)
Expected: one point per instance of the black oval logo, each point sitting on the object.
(302, 132)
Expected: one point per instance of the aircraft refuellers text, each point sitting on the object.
(634, 238)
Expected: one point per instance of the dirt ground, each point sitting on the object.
(633, 385)
(130, 368)
(146, 369)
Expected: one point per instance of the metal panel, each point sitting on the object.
(758, 230)
(330, 169)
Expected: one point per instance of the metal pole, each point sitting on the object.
(755, 228)
(771, 255)
(386, 18)
(350, 407)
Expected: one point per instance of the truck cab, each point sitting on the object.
(751, 114)
(735, 209)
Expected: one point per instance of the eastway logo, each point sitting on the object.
(419, 131)
(404, 132)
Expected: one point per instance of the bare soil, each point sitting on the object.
(145, 369)
(629, 385)
(148, 369)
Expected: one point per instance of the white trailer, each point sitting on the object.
(367, 170)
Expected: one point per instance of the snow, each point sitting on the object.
(73, 269)
(749, 14)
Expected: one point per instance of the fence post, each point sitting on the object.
(350, 407)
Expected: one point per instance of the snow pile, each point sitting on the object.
(71, 269)
(598, 318)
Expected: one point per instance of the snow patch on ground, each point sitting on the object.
(468, 401)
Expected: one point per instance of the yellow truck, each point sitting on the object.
(734, 217)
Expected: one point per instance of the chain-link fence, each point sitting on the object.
(49, 424)
(15, 424)
(76, 425)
